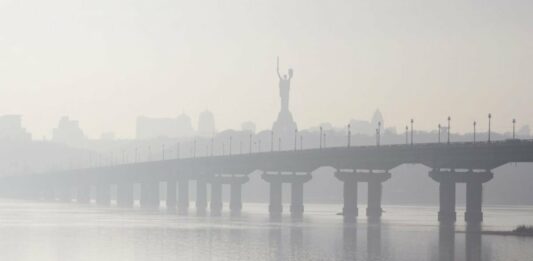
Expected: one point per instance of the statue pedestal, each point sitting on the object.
(284, 127)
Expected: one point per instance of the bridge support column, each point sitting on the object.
(373, 210)
(215, 206)
(297, 199)
(183, 196)
(447, 181)
(201, 196)
(64, 194)
(276, 181)
(125, 195)
(374, 181)
(275, 208)
(150, 195)
(171, 200)
(447, 212)
(103, 195)
(474, 198)
(83, 194)
(235, 203)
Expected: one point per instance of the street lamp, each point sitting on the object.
(490, 117)
(194, 149)
(412, 122)
(295, 138)
(230, 143)
(377, 137)
(514, 123)
(250, 150)
(349, 135)
(272, 141)
(406, 133)
(449, 128)
(475, 123)
(320, 146)
(439, 127)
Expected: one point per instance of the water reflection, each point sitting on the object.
(446, 246)
(96, 234)
(349, 241)
(473, 242)
(373, 241)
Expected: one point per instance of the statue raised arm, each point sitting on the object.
(279, 75)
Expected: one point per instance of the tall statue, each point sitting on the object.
(284, 88)
(284, 128)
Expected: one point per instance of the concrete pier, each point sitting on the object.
(83, 194)
(150, 195)
(235, 204)
(171, 195)
(103, 194)
(474, 193)
(215, 206)
(296, 180)
(201, 196)
(374, 180)
(125, 195)
(183, 195)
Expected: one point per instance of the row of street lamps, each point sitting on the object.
(322, 140)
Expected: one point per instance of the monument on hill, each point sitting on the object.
(284, 127)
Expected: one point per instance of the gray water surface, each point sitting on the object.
(54, 231)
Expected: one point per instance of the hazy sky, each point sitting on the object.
(103, 62)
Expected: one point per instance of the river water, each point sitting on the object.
(54, 231)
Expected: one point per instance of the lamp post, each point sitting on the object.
(230, 143)
(295, 138)
(490, 117)
(301, 142)
(449, 119)
(349, 135)
(412, 122)
(377, 137)
(475, 123)
(194, 148)
(272, 141)
(406, 133)
(320, 146)
(212, 146)
(514, 123)
(250, 150)
(439, 127)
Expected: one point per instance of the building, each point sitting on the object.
(68, 132)
(11, 128)
(151, 128)
(206, 124)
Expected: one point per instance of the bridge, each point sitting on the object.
(449, 163)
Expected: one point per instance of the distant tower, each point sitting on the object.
(206, 124)
(184, 126)
(284, 126)
(376, 119)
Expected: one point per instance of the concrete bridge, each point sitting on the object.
(453, 163)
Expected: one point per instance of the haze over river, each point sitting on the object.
(55, 231)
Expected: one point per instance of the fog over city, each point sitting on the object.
(266, 130)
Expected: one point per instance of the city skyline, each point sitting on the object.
(475, 56)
